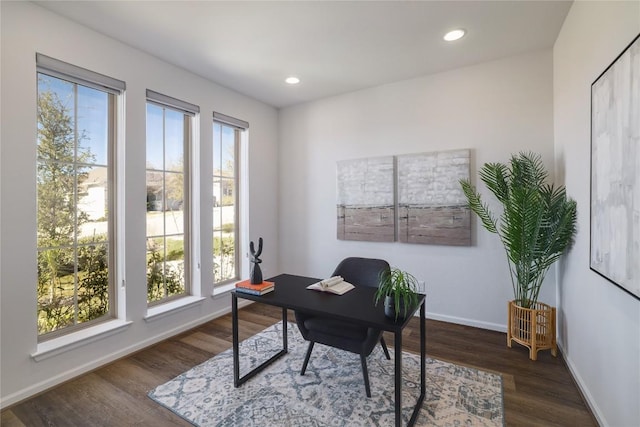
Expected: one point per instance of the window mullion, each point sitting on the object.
(76, 196)
(112, 218)
(164, 203)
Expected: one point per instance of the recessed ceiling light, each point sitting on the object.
(292, 80)
(454, 35)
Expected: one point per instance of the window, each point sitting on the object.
(75, 175)
(169, 135)
(227, 133)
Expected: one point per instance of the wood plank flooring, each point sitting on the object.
(540, 393)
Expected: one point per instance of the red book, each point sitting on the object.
(246, 284)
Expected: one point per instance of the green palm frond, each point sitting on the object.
(496, 177)
(537, 223)
(528, 171)
(479, 208)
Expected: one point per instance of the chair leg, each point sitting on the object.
(306, 358)
(365, 374)
(384, 347)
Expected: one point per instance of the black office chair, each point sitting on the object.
(342, 335)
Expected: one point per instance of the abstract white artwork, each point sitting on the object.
(432, 209)
(366, 206)
(414, 198)
(615, 171)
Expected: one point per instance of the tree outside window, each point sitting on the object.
(73, 242)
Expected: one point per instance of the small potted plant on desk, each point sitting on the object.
(399, 290)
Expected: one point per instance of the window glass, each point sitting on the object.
(74, 214)
(226, 140)
(168, 136)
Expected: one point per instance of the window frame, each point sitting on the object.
(114, 89)
(189, 114)
(240, 129)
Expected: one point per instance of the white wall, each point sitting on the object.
(27, 29)
(495, 109)
(599, 323)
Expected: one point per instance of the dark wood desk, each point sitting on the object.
(356, 306)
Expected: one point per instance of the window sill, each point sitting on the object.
(221, 291)
(73, 340)
(162, 310)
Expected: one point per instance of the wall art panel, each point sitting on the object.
(615, 171)
(366, 204)
(432, 208)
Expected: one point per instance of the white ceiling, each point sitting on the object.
(333, 47)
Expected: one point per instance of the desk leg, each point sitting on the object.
(234, 331)
(237, 380)
(398, 376)
(285, 342)
(423, 351)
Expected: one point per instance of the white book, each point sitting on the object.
(335, 285)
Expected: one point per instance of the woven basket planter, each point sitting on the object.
(534, 328)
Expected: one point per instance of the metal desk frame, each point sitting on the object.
(291, 293)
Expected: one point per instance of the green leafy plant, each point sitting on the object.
(223, 258)
(78, 297)
(537, 224)
(401, 288)
(93, 290)
(163, 280)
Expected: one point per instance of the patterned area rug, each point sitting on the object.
(331, 393)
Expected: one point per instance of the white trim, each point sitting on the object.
(162, 310)
(222, 290)
(467, 322)
(243, 215)
(56, 346)
(120, 188)
(591, 401)
(195, 206)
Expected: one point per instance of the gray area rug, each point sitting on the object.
(331, 393)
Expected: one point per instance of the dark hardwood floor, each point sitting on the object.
(540, 393)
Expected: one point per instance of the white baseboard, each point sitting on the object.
(583, 388)
(467, 322)
(83, 369)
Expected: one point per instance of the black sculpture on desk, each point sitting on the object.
(256, 273)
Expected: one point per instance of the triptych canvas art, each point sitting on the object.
(413, 198)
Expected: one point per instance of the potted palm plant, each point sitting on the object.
(537, 225)
(399, 290)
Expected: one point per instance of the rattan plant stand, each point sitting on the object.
(534, 328)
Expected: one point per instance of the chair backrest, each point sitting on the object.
(361, 271)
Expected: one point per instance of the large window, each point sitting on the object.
(75, 201)
(169, 134)
(227, 133)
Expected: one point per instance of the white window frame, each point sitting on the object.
(191, 217)
(71, 336)
(241, 131)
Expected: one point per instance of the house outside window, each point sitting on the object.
(75, 175)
